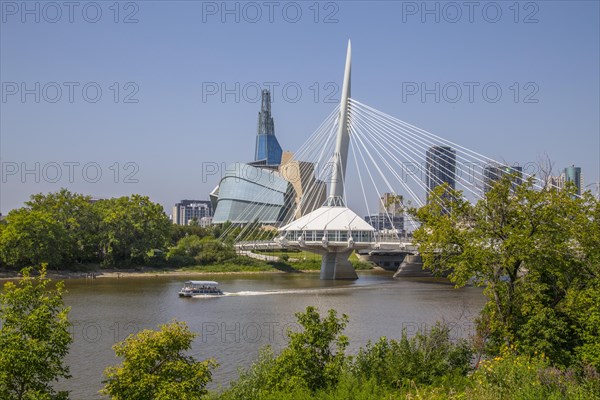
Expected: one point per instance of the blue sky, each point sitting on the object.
(177, 50)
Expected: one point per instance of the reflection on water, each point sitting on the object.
(257, 310)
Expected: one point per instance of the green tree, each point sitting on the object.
(214, 251)
(313, 360)
(34, 338)
(2, 227)
(178, 232)
(75, 214)
(194, 250)
(184, 252)
(155, 367)
(519, 243)
(421, 359)
(32, 238)
(56, 228)
(219, 230)
(583, 298)
(130, 227)
(189, 246)
(314, 356)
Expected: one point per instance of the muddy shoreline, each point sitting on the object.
(144, 272)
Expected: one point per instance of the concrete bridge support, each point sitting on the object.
(412, 266)
(335, 265)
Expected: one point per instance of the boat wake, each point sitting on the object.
(253, 293)
(302, 291)
(268, 292)
(291, 291)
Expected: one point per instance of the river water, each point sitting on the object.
(256, 311)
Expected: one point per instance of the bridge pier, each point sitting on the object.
(412, 266)
(335, 265)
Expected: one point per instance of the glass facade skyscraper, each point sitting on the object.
(569, 174)
(494, 173)
(440, 164)
(573, 174)
(268, 151)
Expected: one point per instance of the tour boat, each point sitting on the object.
(194, 288)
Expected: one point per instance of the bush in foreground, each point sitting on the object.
(427, 366)
(154, 367)
(34, 338)
(422, 359)
(313, 360)
(514, 376)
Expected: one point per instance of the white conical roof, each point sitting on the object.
(329, 218)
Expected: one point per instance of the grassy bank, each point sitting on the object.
(308, 260)
(298, 262)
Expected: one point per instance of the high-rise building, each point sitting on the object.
(495, 172)
(390, 216)
(557, 182)
(391, 203)
(187, 210)
(268, 151)
(440, 164)
(573, 174)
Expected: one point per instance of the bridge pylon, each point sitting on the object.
(333, 230)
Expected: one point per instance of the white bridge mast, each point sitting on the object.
(333, 230)
(340, 156)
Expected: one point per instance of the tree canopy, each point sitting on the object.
(155, 367)
(34, 338)
(64, 228)
(532, 249)
(130, 226)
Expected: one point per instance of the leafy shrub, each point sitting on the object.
(192, 250)
(583, 306)
(313, 360)
(315, 356)
(213, 251)
(180, 261)
(155, 366)
(422, 359)
(514, 376)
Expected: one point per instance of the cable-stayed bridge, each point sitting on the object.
(361, 150)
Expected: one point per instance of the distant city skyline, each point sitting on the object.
(495, 172)
(186, 211)
(113, 108)
(391, 214)
(571, 174)
(440, 168)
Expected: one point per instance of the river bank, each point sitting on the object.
(142, 272)
(241, 265)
